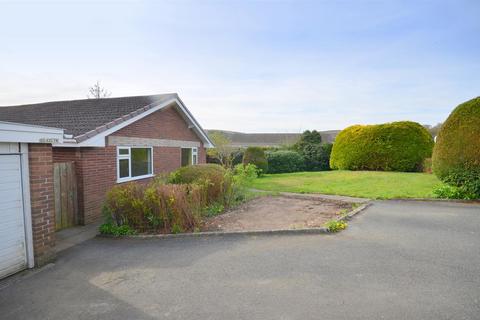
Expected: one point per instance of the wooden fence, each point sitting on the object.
(65, 188)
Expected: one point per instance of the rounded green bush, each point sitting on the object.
(396, 146)
(456, 156)
(256, 156)
(189, 174)
(284, 161)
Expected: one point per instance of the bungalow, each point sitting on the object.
(269, 140)
(78, 150)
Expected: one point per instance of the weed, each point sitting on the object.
(336, 226)
(111, 229)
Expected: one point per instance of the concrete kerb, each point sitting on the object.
(461, 201)
(322, 230)
(330, 197)
(349, 215)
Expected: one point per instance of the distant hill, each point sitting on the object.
(240, 139)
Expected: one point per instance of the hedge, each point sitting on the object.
(256, 156)
(396, 146)
(284, 161)
(317, 156)
(456, 156)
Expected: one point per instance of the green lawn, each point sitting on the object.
(366, 184)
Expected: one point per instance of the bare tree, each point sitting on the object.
(223, 148)
(97, 92)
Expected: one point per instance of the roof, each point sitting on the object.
(78, 116)
(86, 118)
(240, 139)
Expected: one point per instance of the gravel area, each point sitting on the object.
(276, 213)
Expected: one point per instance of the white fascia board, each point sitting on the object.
(25, 133)
(99, 139)
(208, 143)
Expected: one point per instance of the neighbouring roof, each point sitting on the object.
(86, 118)
(240, 139)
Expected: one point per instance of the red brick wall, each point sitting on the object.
(202, 154)
(97, 167)
(166, 159)
(42, 202)
(164, 124)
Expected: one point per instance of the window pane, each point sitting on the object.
(122, 151)
(186, 157)
(141, 161)
(195, 161)
(124, 168)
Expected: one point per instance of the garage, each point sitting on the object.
(13, 253)
(17, 249)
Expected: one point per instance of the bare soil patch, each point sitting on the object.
(278, 213)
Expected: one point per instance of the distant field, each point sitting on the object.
(366, 184)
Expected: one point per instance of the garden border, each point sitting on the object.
(323, 230)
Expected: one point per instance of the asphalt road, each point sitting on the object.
(397, 260)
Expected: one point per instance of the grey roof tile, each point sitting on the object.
(79, 117)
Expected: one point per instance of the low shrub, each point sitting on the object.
(396, 146)
(212, 176)
(452, 192)
(284, 161)
(189, 174)
(237, 182)
(256, 156)
(214, 209)
(245, 173)
(110, 229)
(122, 203)
(156, 207)
(161, 207)
(466, 180)
(170, 207)
(336, 226)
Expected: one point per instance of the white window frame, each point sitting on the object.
(129, 158)
(194, 153)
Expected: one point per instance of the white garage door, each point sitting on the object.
(12, 231)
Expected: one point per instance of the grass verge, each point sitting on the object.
(363, 184)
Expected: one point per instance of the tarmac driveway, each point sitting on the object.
(397, 260)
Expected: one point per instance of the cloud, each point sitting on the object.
(252, 67)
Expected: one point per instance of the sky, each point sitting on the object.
(250, 66)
